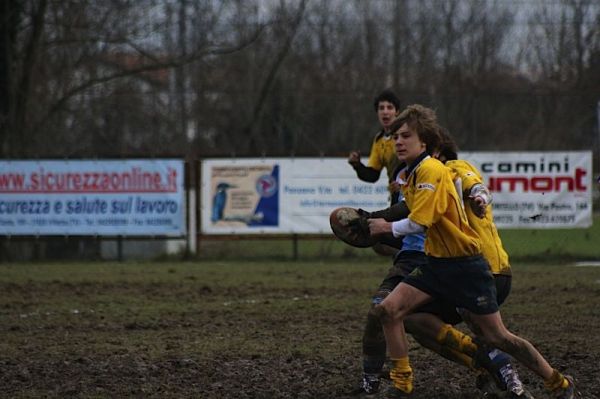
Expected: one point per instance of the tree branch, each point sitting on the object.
(155, 65)
(274, 69)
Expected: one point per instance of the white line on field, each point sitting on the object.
(590, 263)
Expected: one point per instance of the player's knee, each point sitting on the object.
(387, 312)
(382, 313)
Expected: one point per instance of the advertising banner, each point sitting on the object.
(77, 197)
(246, 196)
(538, 189)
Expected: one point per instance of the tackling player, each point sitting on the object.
(477, 198)
(455, 270)
(431, 324)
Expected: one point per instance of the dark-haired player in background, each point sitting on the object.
(382, 155)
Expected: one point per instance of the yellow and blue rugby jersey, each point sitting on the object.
(434, 203)
(491, 244)
(383, 154)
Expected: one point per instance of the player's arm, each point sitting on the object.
(372, 170)
(393, 220)
(395, 212)
(398, 228)
(366, 173)
(351, 226)
(476, 193)
(479, 198)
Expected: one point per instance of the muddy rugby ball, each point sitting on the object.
(350, 227)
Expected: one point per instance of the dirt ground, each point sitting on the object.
(190, 332)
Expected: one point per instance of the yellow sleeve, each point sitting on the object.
(375, 156)
(430, 198)
(468, 174)
(491, 243)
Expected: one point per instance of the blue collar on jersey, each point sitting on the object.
(417, 161)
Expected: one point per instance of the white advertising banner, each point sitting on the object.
(288, 196)
(538, 189)
(76, 197)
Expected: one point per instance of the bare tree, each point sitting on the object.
(563, 38)
(279, 77)
(75, 60)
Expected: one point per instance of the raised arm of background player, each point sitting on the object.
(382, 155)
(364, 173)
(371, 175)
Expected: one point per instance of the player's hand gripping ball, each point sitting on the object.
(351, 227)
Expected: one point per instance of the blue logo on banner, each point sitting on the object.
(266, 186)
(267, 209)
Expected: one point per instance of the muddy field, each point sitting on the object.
(250, 330)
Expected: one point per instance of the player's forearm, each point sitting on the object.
(405, 227)
(366, 173)
(395, 212)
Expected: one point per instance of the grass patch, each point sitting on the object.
(568, 244)
(522, 244)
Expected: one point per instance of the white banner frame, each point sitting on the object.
(301, 191)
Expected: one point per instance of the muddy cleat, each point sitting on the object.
(501, 371)
(569, 392)
(489, 386)
(369, 385)
(514, 387)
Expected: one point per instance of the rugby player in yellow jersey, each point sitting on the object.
(476, 199)
(456, 271)
(431, 324)
(480, 218)
(383, 154)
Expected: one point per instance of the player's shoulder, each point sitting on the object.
(463, 167)
(431, 170)
(459, 163)
(431, 165)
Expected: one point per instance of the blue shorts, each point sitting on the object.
(464, 282)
